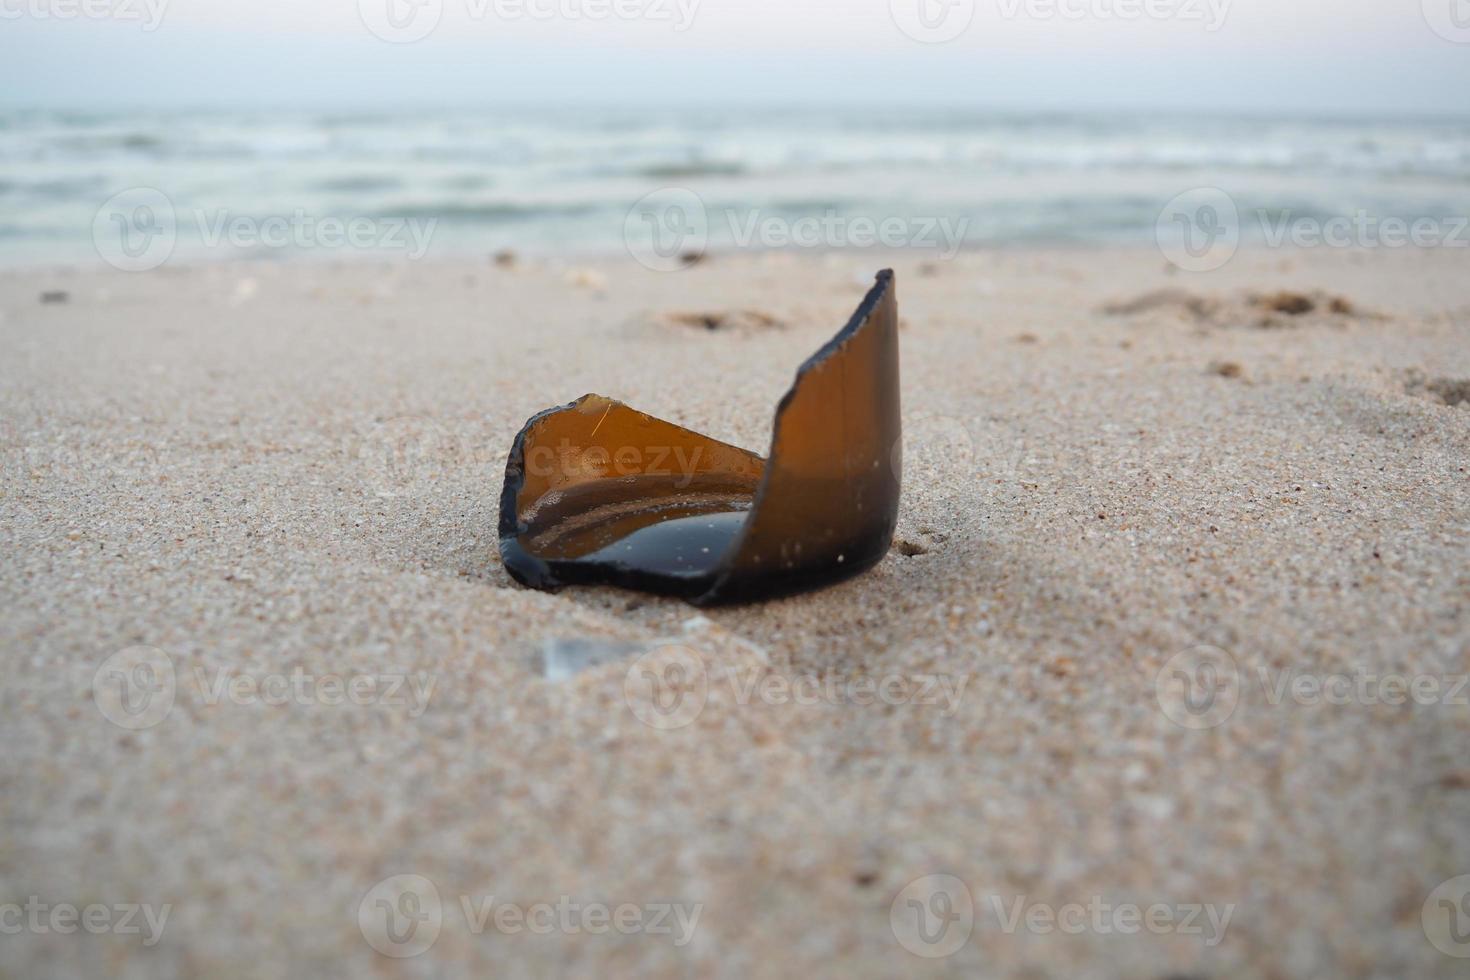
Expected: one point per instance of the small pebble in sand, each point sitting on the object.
(1292, 304)
(725, 320)
(1300, 304)
(586, 279)
(1226, 369)
(1456, 780)
(1199, 307)
(1452, 392)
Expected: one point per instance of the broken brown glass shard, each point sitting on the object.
(598, 493)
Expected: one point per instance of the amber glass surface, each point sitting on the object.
(598, 492)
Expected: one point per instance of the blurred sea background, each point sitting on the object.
(561, 180)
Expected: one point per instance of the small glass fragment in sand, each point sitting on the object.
(562, 658)
(598, 493)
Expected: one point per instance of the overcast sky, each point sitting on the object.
(1336, 56)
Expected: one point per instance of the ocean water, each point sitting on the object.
(284, 184)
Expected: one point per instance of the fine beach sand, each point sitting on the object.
(263, 468)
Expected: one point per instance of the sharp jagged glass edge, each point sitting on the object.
(722, 584)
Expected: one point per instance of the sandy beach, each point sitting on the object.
(275, 488)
